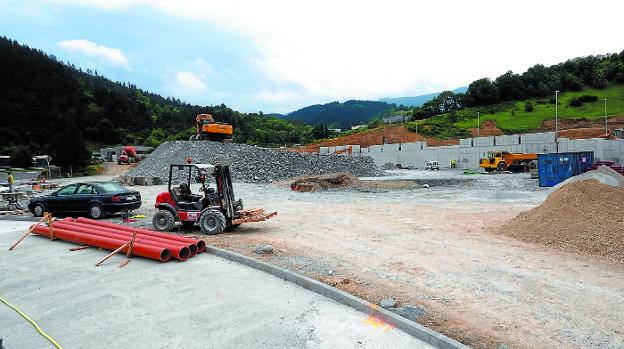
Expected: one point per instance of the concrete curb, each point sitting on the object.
(431, 337)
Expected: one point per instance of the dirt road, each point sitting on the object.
(435, 248)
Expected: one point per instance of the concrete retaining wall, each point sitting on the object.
(470, 150)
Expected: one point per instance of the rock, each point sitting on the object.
(387, 303)
(263, 249)
(388, 166)
(252, 164)
(410, 312)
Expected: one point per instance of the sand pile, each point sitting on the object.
(583, 216)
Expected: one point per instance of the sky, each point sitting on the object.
(279, 56)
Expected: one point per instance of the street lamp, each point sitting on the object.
(556, 113)
(478, 125)
(606, 122)
(557, 120)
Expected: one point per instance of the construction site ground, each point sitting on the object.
(438, 249)
(206, 302)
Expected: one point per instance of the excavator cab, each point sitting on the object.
(206, 129)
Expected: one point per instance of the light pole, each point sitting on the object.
(606, 122)
(557, 120)
(478, 125)
(556, 113)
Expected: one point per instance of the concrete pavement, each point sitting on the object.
(205, 302)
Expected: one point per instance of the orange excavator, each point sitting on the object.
(206, 129)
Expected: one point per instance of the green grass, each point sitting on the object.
(514, 119)
(511, 118)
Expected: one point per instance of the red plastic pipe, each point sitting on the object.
(164, 242)
(148, 251)
(179, 252)
(201, 244)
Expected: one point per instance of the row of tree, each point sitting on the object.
(537, 82)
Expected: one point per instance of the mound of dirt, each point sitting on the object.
(584, 217)
(377, 136)
(488, 128)
(324, 182)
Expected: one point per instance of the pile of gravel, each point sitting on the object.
(252, 164)
(583, 216)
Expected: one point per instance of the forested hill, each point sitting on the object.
(417, 101)
(342, 115)
(48, 107)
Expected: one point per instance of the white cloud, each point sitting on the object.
(108, 54)
(189, 83)
(370, 49)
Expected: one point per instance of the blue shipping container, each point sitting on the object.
(555, 168)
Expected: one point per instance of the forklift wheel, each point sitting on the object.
(212, 222)
(163, 220)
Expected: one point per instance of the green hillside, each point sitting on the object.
(515, 117)
(342, 115)
(51, 107)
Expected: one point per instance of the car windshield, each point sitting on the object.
(112, 187)
(68, 190)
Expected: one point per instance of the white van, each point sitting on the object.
(432, 165)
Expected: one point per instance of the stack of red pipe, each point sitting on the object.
(110, 236)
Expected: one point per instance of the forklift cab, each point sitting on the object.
(182, 179)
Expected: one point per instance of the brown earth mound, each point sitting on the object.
(324, 182)
(346, 181)
(488, 128)
(583, 217)
(581, 128)
(389, 134)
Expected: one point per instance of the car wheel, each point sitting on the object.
(163, 220)
(96, 211)
(212, 222)
(38, 210)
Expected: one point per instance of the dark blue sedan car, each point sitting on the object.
(95, 199)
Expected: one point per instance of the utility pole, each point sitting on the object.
(606, 121)
(557, 120)
(478, 125)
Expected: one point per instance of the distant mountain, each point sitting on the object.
(342, 115)
(417, 101)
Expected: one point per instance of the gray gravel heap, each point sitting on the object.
(252, 164)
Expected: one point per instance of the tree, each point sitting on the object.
(69, 149)
(528, 106)
(20, 156)
(571, 82)
(510, 86)
(536, 81)
(600, 81)
(445, 102)
(320, 132)
(482, 92)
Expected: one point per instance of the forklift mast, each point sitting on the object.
(225, 189)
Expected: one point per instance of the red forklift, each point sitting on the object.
(214, 210)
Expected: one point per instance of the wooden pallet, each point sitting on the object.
(253, 215)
